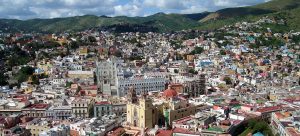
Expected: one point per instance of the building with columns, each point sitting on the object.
(196, 87)
(106, 73)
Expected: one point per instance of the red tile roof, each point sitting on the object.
(116, 131)
(102, 103)
(269, 109)
(182, 120)
(249, 106)
(164, 133)
(39, 106)
(169, 93)
(292, 131)
(183, 131)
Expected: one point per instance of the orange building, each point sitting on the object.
(190, 58)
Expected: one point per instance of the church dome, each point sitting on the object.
(169, 92)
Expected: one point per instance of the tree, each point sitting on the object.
(68, 84)
(3, 79)
(176, 71)
(131, 58)
(279, 57)
(251, 123)
(296, 39)
(225, 43)
(197, 50)
(118, 53)
(254, 46)
(35, 79)
(227, 80)
(92, 39)
(74, 45)
(222, 52)
(179, 57)
(24, 73)
(259, 126)
(192, 71)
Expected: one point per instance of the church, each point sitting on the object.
(147, 111)
(140, 113)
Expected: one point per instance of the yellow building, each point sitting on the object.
(174, 110)
(146, 113)
(44, 65)
(190, 58)
(83, 107)
(37, 126)
(28, 90)
(80, 74)
(83, 51)
(140, 113)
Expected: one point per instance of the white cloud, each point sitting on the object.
(25, 9)
(129, 10)
(165, 4)
(237, 3)
(194, 9)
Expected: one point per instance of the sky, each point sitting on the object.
(28, 9)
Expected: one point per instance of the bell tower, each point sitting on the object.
(131, 96)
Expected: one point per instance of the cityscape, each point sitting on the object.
(163, 68)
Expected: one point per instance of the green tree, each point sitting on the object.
(254, 46)
(118, 53)
(176, 71)
(3, 79)
(251, 123)
(296, 39)
(35, 79)
(24, 73)
(259, 126)
(228, 80)
(74, 45)
(192, 71)
(279, 57)
(222, 52)
(197, 50)
(225, 43)
(68, 84)
(92, 39)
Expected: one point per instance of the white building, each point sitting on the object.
(141, 84)
(106, 73)
(58, 81)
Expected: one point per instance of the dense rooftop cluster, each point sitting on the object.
(239, 79)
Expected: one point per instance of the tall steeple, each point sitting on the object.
(144, 94)
(131, 95)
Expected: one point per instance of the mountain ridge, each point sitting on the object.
(159, 22)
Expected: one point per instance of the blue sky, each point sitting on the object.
(28, 9)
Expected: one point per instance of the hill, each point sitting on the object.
(285, 9)
(160, 22)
